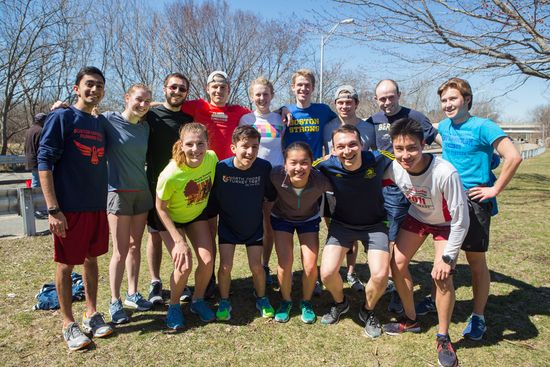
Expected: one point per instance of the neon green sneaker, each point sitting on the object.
(263, 305)
(224, 310)
(308, 315)
(283, 312)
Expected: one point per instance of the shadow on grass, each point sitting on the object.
(508, 316)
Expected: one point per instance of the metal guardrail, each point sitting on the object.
(22, 201)
(525, 154)
(11, 160)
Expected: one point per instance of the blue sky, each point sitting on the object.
(515, 105)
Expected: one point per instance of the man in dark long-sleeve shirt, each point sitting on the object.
(73, 176)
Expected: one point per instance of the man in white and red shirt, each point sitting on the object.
(438, 207)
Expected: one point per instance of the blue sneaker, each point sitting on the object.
(118, 315)
(283, 311)
(200, 308)
(308, 315)
(268, 277)
(174, 317)
(224, 310)
(137, 301)
(475, 328)
(426, 306)
(395, 304)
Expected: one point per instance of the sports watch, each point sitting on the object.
(54, 210)
(447, 259)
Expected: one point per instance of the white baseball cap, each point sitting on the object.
(217, 73)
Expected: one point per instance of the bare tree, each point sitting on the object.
(541, 116)
(211, 36)
(34, 46)
(503, 37)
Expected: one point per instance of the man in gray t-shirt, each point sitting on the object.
(346, 100)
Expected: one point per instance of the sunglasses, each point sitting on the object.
(175, 87)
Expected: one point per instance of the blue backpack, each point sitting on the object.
(47, 296)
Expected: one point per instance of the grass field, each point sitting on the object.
(518, 313)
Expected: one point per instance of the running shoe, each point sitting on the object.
(268, 277)
(137, 301)
(174, 317)
(210, 288)
(373, 328)
(202, 309)
(186, 295)
(335, 312)
(395, 305)
(475, 329)
(355, 283)
(318, 290)
(283, 311)
(390, 287)
(75, 338)
(446, 356)
(96, 325)
(263, 305)
(155, 292)
(308, 315)
(118, 315)
(224, 310)
(401, 326)
(426, 306)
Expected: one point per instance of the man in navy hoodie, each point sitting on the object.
(73, 176)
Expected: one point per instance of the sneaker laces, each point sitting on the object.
(444, 344)
(73, 331)
(97, 320)
(372, 320)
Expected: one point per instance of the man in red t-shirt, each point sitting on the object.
(219, 118)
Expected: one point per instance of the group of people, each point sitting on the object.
(194, 171)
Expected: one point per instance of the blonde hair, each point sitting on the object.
(460, 85)
(306, 73)
(177, 149)
(261, 81)
(135, 86)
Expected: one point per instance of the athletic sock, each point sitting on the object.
(479, 316)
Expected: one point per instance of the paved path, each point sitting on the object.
(12, 225)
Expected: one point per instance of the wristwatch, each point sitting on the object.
(447, 259)
(54, 210)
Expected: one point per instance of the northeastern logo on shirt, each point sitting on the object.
(246, 181)
(419, 196)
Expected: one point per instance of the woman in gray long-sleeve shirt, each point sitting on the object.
(296, 209)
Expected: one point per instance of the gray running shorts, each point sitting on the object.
(373, 237)
(129, 202)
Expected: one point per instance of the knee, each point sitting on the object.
(399, 263)
(444, 286)
(380, 278)
(65, 268)
(225, 268)
(257, 269)
(90, 261)
(310, 270)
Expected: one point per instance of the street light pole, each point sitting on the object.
(324, 39)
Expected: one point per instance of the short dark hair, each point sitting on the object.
(299, 145)
(87, 70)
(176, 75)
(347, 129)
(406, 127)
(245, 131)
